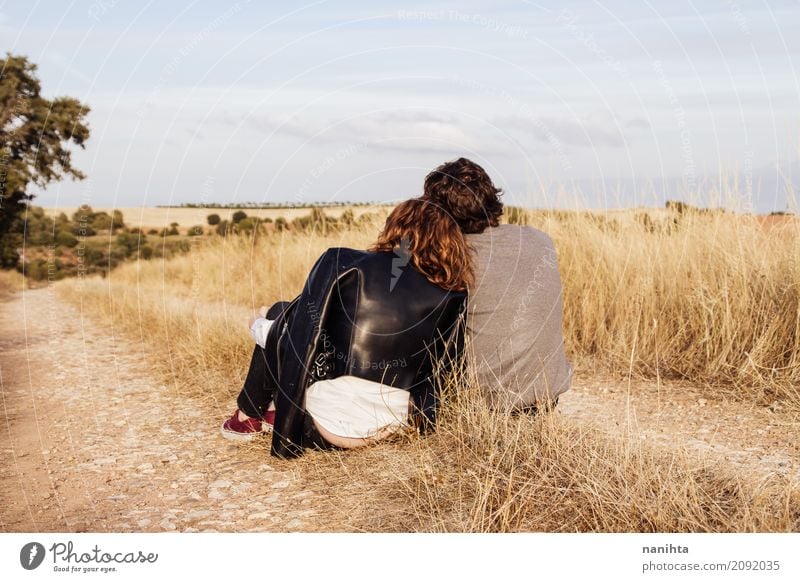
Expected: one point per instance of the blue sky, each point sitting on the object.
(598, 104)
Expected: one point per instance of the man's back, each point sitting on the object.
(516, 317)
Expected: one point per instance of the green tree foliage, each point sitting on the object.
(34, 137)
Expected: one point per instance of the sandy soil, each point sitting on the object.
(92, 441)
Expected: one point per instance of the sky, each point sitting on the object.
(565, 104)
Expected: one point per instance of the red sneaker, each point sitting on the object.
(246, 430)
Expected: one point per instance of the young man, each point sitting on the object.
(515, 305)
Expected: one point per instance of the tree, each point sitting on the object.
(34, 135)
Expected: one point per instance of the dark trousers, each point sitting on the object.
(262, 376)
(259, 386)
(262, 381)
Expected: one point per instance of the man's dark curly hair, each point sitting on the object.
(464, 190)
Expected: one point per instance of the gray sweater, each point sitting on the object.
(515, 317)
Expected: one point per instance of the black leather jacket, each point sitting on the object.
(368, 315)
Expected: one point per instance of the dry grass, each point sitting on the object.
(483, 472)
(11, 282)
(713, 299)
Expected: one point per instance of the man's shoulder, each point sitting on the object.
(512, 235)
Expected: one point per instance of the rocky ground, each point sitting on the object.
(93, 442)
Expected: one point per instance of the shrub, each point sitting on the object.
(223, 227)
(118, 254)
(238, 216)
(247, 225)
(117, 220)
(213, 219)
(130, 242)
(83, 229)
(101, 221)
(83, 214)
(317, 221)
(65, 238)
(196, 230)
(36, 269)
(94, 257)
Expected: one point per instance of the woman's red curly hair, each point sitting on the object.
(459, 199)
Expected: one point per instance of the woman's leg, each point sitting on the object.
(258, 389)
(262, 379)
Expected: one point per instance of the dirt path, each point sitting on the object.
(759, 439)
(94, 442)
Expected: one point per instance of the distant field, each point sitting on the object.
(160, 217)
(149, 217)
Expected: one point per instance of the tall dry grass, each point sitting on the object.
(486, 472)
(709, 297)
(712, 298)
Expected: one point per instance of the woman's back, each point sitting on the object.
(362, 315)
(384, 318)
